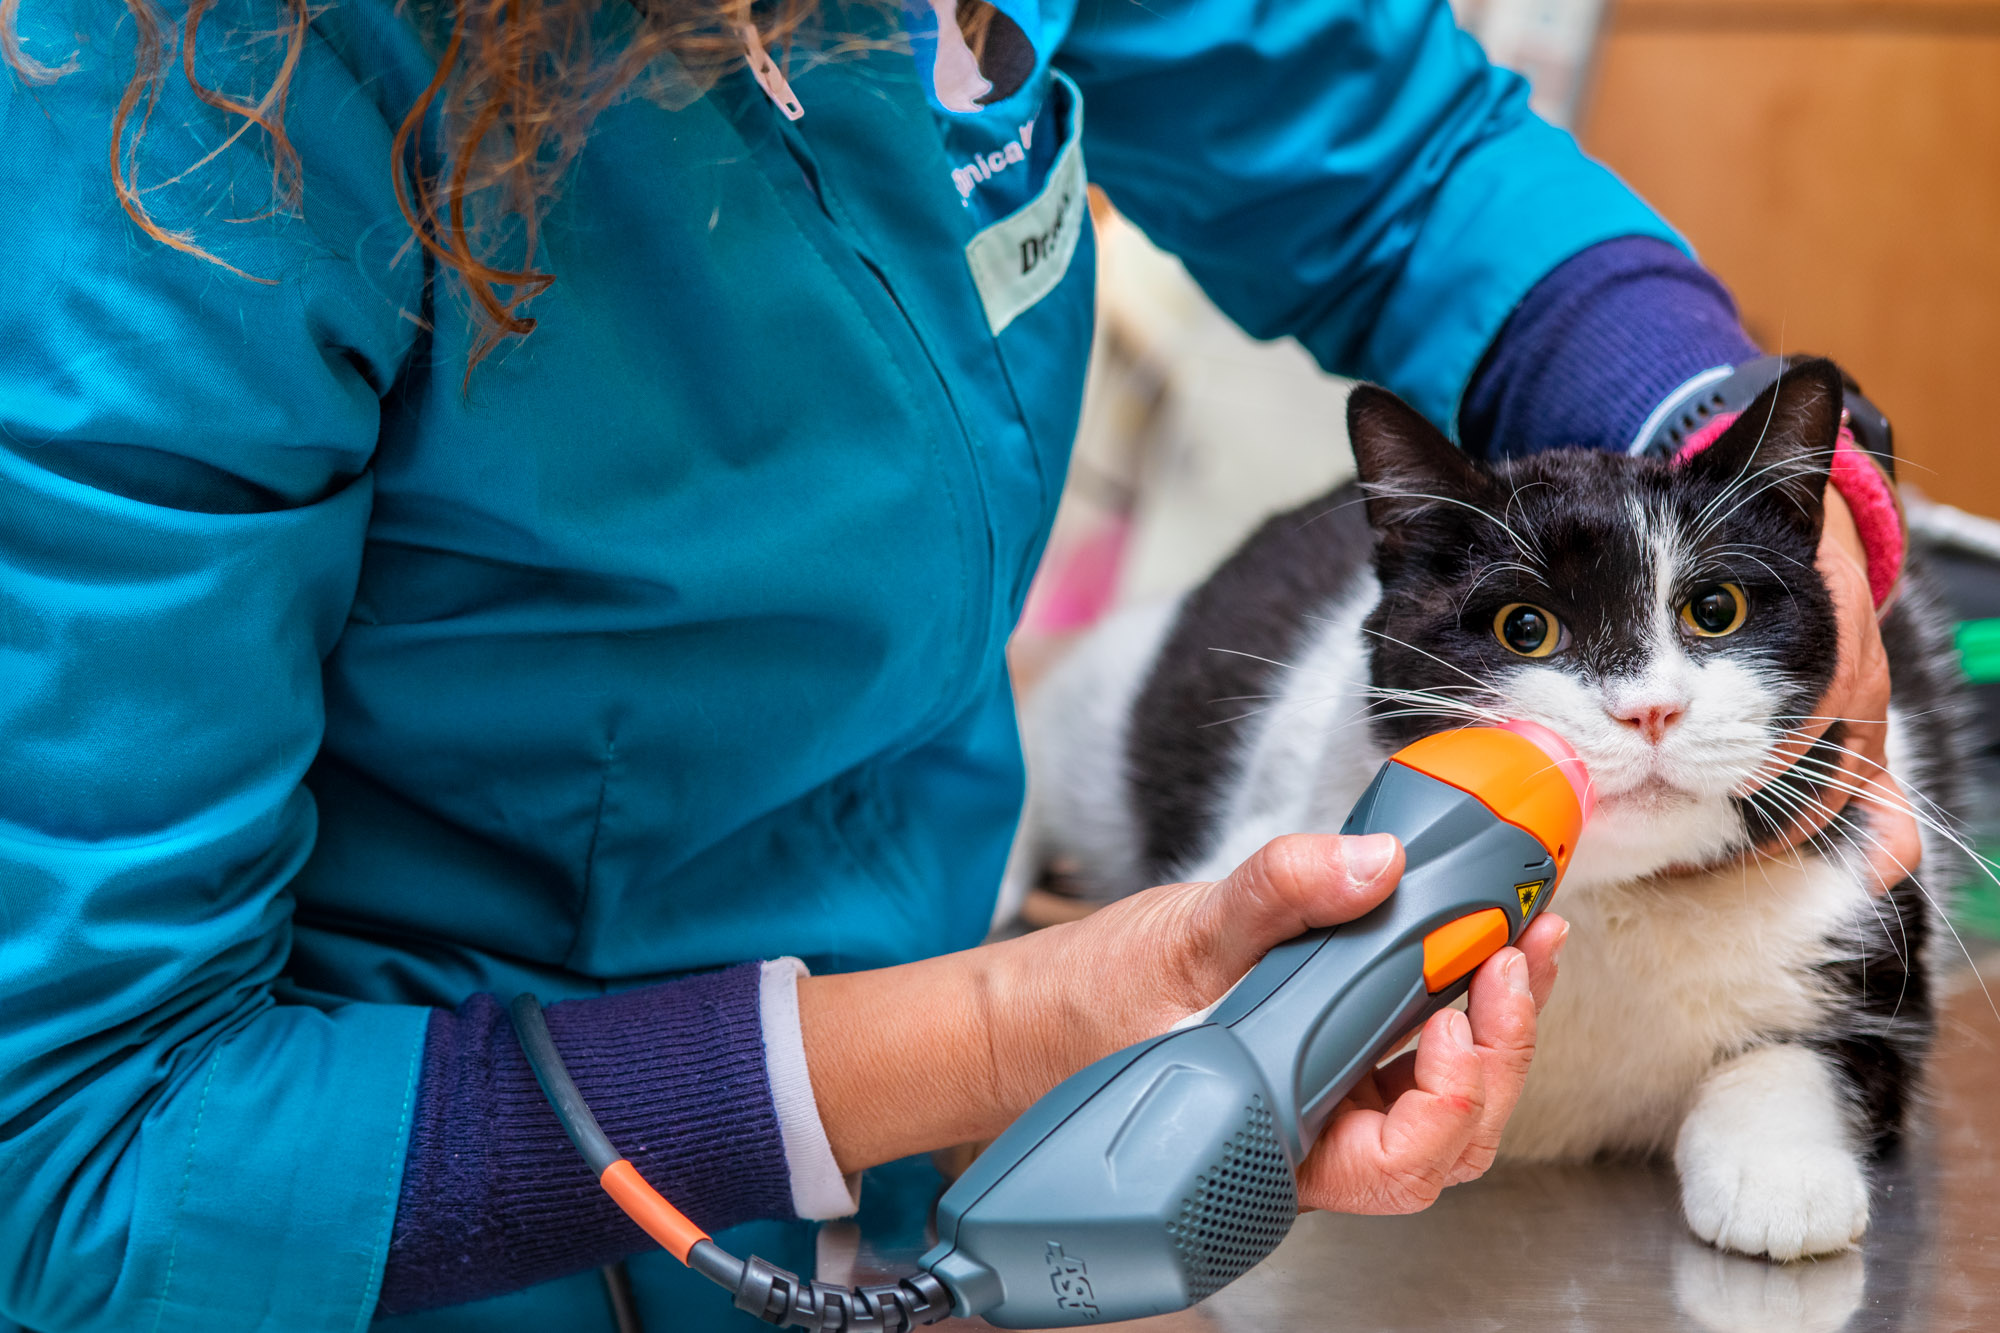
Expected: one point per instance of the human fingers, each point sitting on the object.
(1892, 837)
(1856, 697)
(1286, 887)
(1061, 997)
(1502, 1008)
(1399, 1160)
(1542, 942)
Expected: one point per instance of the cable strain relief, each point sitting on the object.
(928, 1298)
(778, 1296)
(716, 1264)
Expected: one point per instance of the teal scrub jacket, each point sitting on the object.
(332, 688)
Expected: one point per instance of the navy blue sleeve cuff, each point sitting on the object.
(1595, 346)
(494, 1198)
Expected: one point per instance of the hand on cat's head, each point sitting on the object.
(1857, 703)
(1693, 627)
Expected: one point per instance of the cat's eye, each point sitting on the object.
(1527, 630)
(1716, 610)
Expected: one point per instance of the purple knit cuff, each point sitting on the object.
(1595, 346)
(494, 1198)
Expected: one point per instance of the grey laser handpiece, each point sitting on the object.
(1156, 1176)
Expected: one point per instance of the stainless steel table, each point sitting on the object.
(1580, 1248)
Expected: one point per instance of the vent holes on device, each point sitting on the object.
(1241, 1207)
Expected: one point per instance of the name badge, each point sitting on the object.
(1020, 259)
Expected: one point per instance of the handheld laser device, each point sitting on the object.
(1153, 1178)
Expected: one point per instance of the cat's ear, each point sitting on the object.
(1782, 445)
(1408, 468)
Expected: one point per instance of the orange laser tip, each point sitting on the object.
(1515, 775)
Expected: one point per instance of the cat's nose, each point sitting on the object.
(1652, 719)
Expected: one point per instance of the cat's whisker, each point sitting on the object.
(1256, 657)
(1496, 567)
(1799, 805)
(1388, 492)
(1706, 519)
(1272, 661)
(1331, 510)
(1433, 656)
(1756, 560)
(1837, 780)
(1426, 696)
(1303, 705)
(1795, 718)
(1854, 786)
(1466, 714)
(1790, 469)
(1228, 721)
(1515, 494)
(1746, 547)
(1804, 804)
(1910, 877)
(1417, 706)
(1857, 867)
(1834, 778)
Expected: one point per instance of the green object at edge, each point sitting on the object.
(1977, 910)
(1979, 650)
(1978, 907)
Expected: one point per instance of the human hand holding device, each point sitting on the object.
(1318, 973)
(953, 1049)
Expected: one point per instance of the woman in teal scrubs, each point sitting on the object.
(654, 662)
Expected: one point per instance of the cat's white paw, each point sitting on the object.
(1765, 1163)
(1785, 1204)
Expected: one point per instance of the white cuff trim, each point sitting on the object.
(819, 1190)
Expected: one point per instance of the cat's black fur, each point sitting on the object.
(1180, 743)
(1885, 1025)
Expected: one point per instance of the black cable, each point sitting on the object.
(533, 1029)
(624, 1305)
(763, 1289)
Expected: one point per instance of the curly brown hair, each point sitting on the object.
(517, 84)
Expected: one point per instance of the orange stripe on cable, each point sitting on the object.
(644, 1205)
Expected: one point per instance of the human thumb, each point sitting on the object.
(1288, 886)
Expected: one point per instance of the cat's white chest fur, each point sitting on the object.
(1663, 979)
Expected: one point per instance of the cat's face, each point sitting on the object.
(1667, 620)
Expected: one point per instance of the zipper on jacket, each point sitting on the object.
(978, 619)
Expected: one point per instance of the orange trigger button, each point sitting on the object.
(1456, 947)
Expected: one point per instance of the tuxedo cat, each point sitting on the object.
(1762, 1019)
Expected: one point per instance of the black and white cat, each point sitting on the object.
(1763, 1020)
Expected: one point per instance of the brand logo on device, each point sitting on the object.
(1071, 1283)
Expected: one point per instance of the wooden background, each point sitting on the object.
(1837, 162)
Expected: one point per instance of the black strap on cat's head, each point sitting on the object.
(1732, 389)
